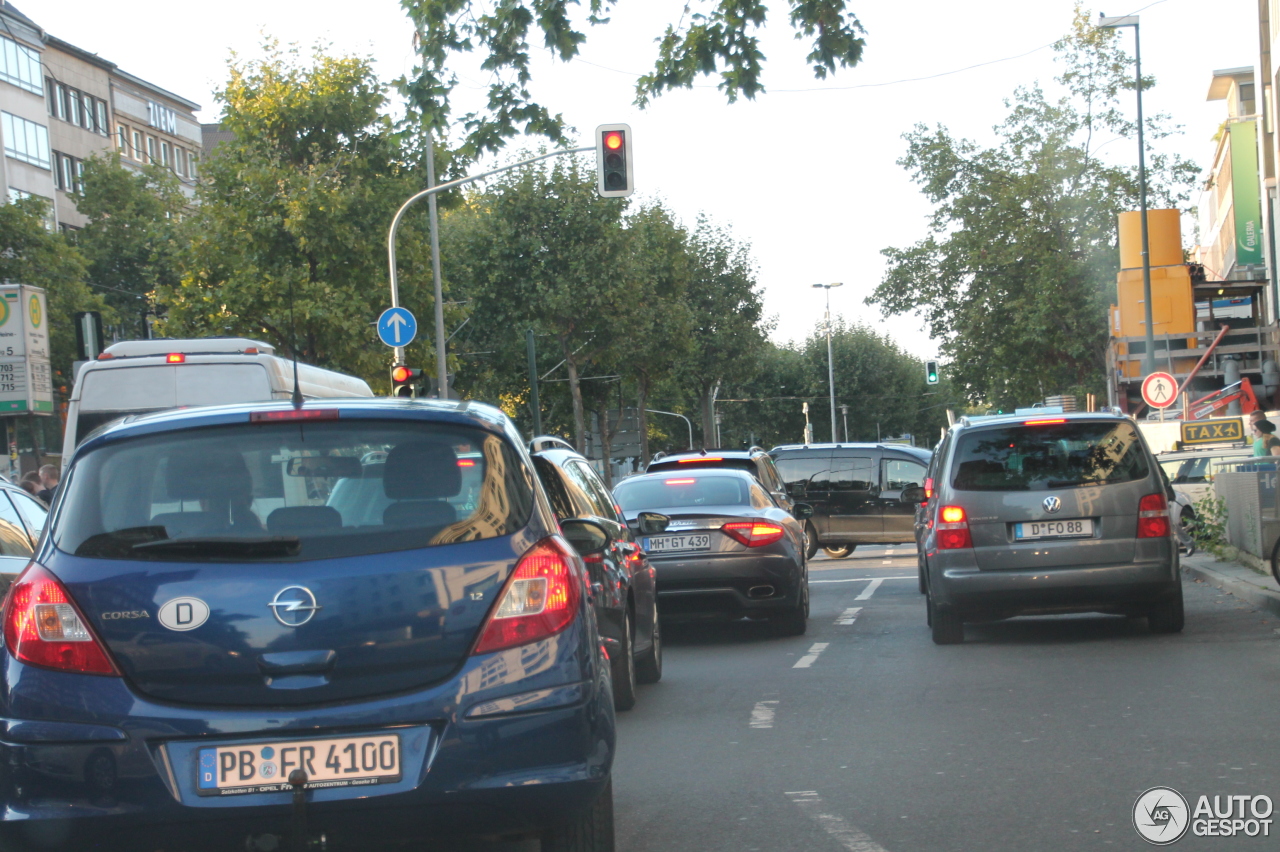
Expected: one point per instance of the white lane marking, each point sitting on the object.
(762, 714)
(870, 589)
(848, 836)
(864, 579)
(849, 615)
(812, 656)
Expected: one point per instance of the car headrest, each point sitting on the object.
(215, 475)
(421, 470)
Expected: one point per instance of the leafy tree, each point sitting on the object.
(134, 235)
(1018, 270)
(291, 230)
(718, 39)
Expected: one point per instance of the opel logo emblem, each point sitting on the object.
(1051, 505)
(294, 606)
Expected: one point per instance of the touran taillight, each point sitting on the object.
(1153, 517)
(753, 533)
(953, 529)
(43, 627)
(540, 599)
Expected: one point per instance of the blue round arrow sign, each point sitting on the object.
(397, 327)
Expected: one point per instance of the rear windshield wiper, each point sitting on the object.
(273, 545)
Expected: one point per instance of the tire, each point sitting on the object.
(591, 832)
(924, 590)
(1275, 562)
(649, 666)
(840, 552)
(624, 669)
(811, 535)
(795, 621)
(946, 626)
(1168, 615)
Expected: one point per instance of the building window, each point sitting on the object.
(20, 65)
(73, 106)
(60, 101)
(103, 127)
(137, 145)
(164, 154)
(16, 195)
(25, 140)
(122, 140)
(151, 149)
(180, 161)
(191, 165)
(68, 172)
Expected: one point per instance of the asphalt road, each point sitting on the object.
(865, 736)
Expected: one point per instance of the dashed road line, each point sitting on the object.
(762, 714)
(849, 836)
(812, 656)
(870, 589)
(849, 615)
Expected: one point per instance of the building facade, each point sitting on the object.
(26, 168)
(153, 125)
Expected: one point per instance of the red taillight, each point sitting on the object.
(753, 533)
(293, 414)
(175, 358)
(953, 529)
(540, 599)
(928, 488)
(43, 627)
(466, 462)
(1153, 517)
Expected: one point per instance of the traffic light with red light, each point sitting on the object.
(405, 380)
(613, 161)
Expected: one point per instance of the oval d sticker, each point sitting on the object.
(184, 613)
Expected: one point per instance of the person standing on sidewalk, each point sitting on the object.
(1265, 442)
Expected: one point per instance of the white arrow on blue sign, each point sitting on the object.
(397, 327)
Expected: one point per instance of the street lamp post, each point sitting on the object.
(1149, 362)
(844, 415)
(831, 371)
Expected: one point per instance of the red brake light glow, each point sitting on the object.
(1153, 517)
(928, 488)
(681, 481)
(42, 626)
(1044, 422)
(953, 529)
(613, 141)
(697, 459)
(293, 414)
(466, 462)
(753, 533)
(175, 358)
(539, 600)
(401, 374)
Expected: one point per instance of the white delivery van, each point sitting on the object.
(137, 376)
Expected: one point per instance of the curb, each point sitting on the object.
(1253, 593)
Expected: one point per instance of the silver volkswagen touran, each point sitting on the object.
(1029, 515)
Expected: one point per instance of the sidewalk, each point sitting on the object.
(1244, 582)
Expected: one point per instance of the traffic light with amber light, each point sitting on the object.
(931, 372)
(613, 161)
(405, 380)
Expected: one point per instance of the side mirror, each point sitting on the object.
(652, 523)
(802, 511)
(586, 536)
(913, 494)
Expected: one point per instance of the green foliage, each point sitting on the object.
(1210, 528)
(31, 254)
(1017, 274)
(719, 38)
(289, 238)
(134, 235)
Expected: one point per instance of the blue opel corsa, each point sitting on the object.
(342, 626)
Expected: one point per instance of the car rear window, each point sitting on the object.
(280, 491)
(682, 493)
(1039, 457)
(668, 465)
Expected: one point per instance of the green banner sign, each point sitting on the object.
(1245, 193)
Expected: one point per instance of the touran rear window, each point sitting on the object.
(1040, 457)
(682, 493)
(281, 491)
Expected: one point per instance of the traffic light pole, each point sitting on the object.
(431, 192)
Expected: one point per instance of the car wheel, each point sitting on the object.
(839, 552)
(649, 666)
(947, 627)
(795, 621)
(1275, 562)
(1167, 616)
(591, 832)
(624, 669)
(811, 537)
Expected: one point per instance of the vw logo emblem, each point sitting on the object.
(1052, 504)
(294, 606)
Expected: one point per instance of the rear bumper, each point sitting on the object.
(726, 584)
(1097, 588)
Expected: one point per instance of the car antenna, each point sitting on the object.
(296, 399)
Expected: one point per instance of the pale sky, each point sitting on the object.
(808, 178)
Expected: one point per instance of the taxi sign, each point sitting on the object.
(1159, 390)
(1217, 431)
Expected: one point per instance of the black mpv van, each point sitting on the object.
(855, 491)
